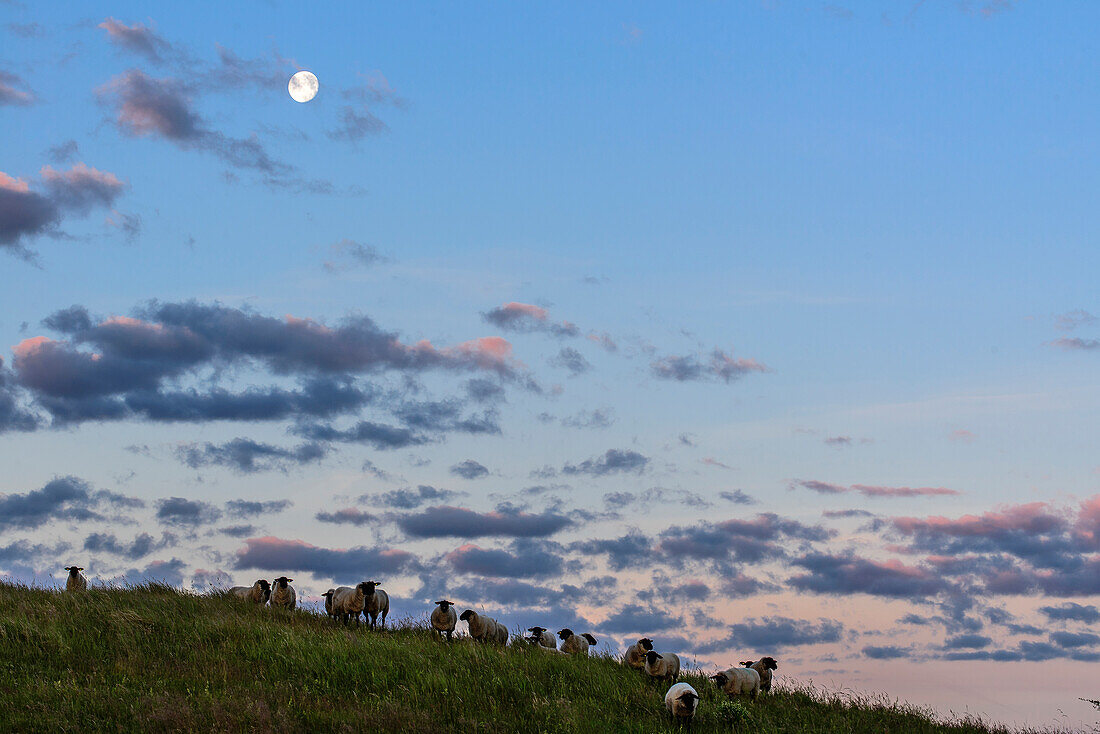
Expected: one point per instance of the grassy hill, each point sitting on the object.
(154, 658)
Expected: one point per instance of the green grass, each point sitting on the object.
(156, 659)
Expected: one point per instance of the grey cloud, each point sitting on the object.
(62, 498)
(247, 456)
(351, 564)
(253, 508)
(469, 469)
(183, 512)
(570, 359)
(443, 522)
(613, 461)
(407, 498)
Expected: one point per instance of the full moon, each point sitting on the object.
(303, 86)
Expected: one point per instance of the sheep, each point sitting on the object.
(484, 628)
(572, 644)
(736, 681)
(348, 602)
(542, 637)
(258, 593)
(681, 700)
(328, 602)
(282, 593)
(444, 618)
(635, 654)
(76, 580)
(377, 602)
(662, 665)
(764, 666)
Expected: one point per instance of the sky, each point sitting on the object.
(757, 328)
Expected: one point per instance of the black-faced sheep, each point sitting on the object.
(76, 580)
(444, 618)
(764, 667)
(377, 603)
(662, 665)
(572, 644)
(258, 593)
(348, 602)
(635, 654)
(328, 603)
(484, 628)
(282, 594)
(542, 637)
(738, 681)
(681, 701)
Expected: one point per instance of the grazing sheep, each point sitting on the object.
(258, 593)
(572, 644)
(764, 666)
(662, 665)
(542, 637)
(444, 618)
(348, 603)
(328, 602)
(282, 594)
(737, 681)
(682, 701)
(635, 654)
(484, 628)
(76, 580)
(377, 604)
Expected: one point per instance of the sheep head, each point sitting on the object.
(465, 616)
(769, 663)
(565, 634)
(329, 593)
(646, 643)
(444, 604)
(689, 698)
(263, 584)
(74, 570)
(369, 586)
(282, 581)
(720, 679)
(652, 657)
(537, 630)
(590, 638)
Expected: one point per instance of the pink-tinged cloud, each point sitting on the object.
(962, 435)
(820, 487)
(1087, 528)
(343, 564)
(137, 38)
(711, 461)
(1076, 343)
(16, 185)
(526, 317)
(10, 92)
(1034, 518)
(873, 491)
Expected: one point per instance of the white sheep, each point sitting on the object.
(738, 681)
(258, 593)
(328, 602)
(282, 594)
(444, 618)
(662, 665)
(764, 666)
(377, 603)
(542, 637)
(635, 654)
(682, 700)
(76, 580)
(572, 644)
(484, 628)
(348, 602)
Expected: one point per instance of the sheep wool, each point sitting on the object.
(376, 603)
(282, 594)
(258, 593)
(76, 580)
(483, 628)
(572, 644)
(682, 701)
(444, 618)
(635, 654)
(764, 667)
(348, 602)
(542, 637)
(738, 681)
(662, 665)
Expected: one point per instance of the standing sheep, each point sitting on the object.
(76, 580)
(662, 665)
(542, 637)
(635, 654)
(764, 667)
(377, 602)
(348, 603)
(572, 644)
(282, 594)
(328, 603)
(258, 593)
(484, 628)
(738, 681)
(682, 701)
(444, 618)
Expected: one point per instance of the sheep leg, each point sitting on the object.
(384, 619)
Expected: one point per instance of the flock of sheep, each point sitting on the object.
(345, 603)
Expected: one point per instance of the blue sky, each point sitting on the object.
(834, 246)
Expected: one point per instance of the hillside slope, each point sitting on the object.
(154, 658)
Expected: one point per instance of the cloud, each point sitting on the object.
(253, 508)
(527, 318)
(1076, 343)
(570, 359)
(1071, 611)
(62, 498)
(1073, 319)
(885, 652)
(630, 551)
(247, 456)
(445, 522)
(524, 559)
(596, 418)
(639, 619)
(356, 124)
(276, 554)
(26, 213)
(140, 546)
(718, 365)
(776, 633)
(873, 491)
(182, 512)
(850, 574)
(63, 152)
(347, 516)
(621, 500)
(613, 461)
(379, 436)
(137, 38)
(766, 536)
(469, 469)
(837, 441)
(967, 641)
(738, 497)
(164, 572)
(13, 417)
(14, 91)
(408, 499)
(347, 254)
